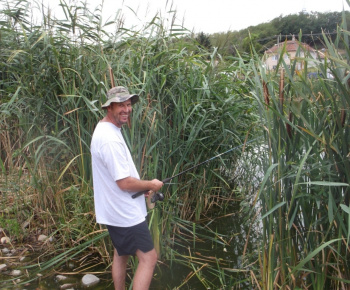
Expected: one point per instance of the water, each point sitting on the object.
(219, 244)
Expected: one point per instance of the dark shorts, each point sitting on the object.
(128, 240)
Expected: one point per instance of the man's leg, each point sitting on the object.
(119, 270)
(145, 268)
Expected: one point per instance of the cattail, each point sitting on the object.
(281, 88)
(342, 117)
(266, 94)
(149, 99)
(111, 77)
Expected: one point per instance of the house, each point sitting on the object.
(293, 50)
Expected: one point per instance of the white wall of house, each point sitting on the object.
(289, 57)
(308, 55)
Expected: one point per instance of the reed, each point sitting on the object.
(304, 196)
(194, 105)
(54, 77)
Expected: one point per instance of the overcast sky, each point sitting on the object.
(212, 16)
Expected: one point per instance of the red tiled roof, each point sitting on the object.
(291, 45)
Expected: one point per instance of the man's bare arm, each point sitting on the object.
(134, 184)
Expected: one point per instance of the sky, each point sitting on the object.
(210, 16)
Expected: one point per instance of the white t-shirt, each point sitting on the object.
(111, 161)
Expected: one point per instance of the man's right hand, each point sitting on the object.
(156, 184)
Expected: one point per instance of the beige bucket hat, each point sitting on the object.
(118, 95)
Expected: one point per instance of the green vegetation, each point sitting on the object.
(292, 183)
(263, 36)
(304, 195)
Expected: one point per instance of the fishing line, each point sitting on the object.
(166, 180)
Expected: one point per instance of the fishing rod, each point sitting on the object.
(166, 180)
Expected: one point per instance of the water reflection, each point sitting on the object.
(220, 243)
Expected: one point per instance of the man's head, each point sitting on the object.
(119, 105)
(118, 95)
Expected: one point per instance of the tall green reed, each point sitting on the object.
(55, 78)
(304, 194)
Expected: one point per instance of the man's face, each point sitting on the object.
(118, 113)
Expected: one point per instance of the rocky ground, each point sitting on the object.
(14, 258)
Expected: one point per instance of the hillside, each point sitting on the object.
(265, 35)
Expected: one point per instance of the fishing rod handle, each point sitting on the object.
(137, 194)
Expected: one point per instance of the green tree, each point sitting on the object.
(204, 40)
(251, 40)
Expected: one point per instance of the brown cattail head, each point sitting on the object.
(111, 77)
(342, 117)
(266, 94)
(149, 99)
(281, 88)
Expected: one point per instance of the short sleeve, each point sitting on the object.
(115, 159)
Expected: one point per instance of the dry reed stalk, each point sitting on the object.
(275, 282)
(254, 280)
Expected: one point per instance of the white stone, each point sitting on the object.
(90, 280)
(3, 266)
(60, 278)
(5, 251)
(16, 272)
(67, 286)
(42, 238)
(5, 240)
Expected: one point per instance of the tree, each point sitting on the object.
(204, 40)
(250, 41)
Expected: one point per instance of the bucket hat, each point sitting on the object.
(118, 95)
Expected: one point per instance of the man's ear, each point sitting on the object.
(109, 108)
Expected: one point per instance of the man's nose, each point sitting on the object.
(126, 108)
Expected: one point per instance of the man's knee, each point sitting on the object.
(154, 257)
(150, 258)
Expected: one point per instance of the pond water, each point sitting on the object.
(219, 244)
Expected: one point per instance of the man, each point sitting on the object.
(115, 179)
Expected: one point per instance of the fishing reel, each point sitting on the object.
(157, 196)
(153, 197)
